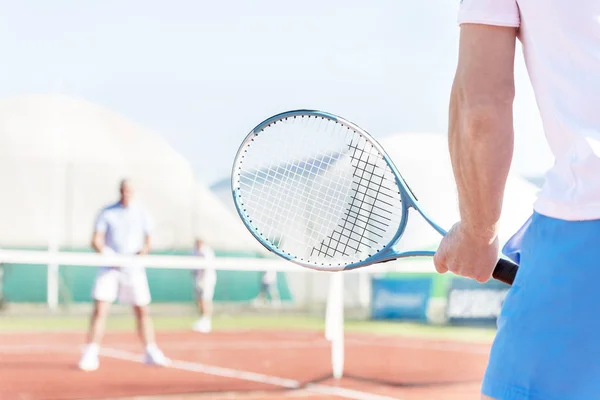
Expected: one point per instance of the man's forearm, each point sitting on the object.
(481, 146)
(144, 251)
(146, 248)
(98, 244)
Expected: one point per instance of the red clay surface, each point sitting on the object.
(241, 365)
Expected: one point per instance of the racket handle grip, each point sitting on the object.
(505, 271)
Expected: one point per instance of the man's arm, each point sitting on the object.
(98, 241)
(481, 146)
(481, 125)
(99, 236)
(147, 245)
(148, 226)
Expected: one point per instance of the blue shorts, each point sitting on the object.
(548, 342)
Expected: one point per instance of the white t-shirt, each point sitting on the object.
(205, 274)
(125, 228)
(561, 47)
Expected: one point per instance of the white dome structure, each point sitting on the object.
(424, 162)
(61, 161)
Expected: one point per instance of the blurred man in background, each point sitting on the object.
(205, 280)
(268, 289)
(121, 228)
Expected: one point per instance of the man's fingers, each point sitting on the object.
(440, 264)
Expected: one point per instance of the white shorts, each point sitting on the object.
(128, 285)
(204, 284)
(269, 277)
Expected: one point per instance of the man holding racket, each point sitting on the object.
(547, 343)
(123, 228)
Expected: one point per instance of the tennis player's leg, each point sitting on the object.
(261, 297)
(104, 292)
(135, 291)
(546, 346)
(205, 290)
(270, 286)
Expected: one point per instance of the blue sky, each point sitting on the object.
(203, 73)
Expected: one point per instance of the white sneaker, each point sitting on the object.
(203, 325)
(276, 303)
(89, 360)
(156, 357)
(259, 302)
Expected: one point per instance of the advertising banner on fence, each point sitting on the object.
(397, 298)
(474, 303)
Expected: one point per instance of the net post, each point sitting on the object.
(57, 201)
(334, 323)
(52, 278)
(329, 311)
(52, 286)
(364, 289)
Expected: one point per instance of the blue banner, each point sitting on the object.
(474, 303)
(397, 298)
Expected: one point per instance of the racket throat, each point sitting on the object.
(399, 255)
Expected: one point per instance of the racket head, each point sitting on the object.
(300, 189)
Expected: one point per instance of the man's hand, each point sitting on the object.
(467, 253)
(147, 246)
(98, 242)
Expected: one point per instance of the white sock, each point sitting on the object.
(151, 348)
(92, 348)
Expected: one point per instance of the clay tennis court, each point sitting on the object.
(241, 364)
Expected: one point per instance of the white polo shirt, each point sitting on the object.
(561, 47)
(205, 274)
(125, 228)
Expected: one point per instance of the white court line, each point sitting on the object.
(211, 370)
(276, 381)
(207, 369)
(457, 347)
(246, 345)
(253, 377)
(467, 348)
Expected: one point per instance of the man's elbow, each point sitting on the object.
(480, 107)
(485, 105)
(487, 118)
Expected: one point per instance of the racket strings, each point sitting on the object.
(286, 185)
(348, 226)
(277, 193)
(317, 190)
(276, 173)
(309, 174)
(358, 228)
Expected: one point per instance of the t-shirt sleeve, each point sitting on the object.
(489, 12)
(101, 224)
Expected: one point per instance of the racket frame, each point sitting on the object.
(408, 199)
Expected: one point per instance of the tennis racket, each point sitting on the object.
(320, 192)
